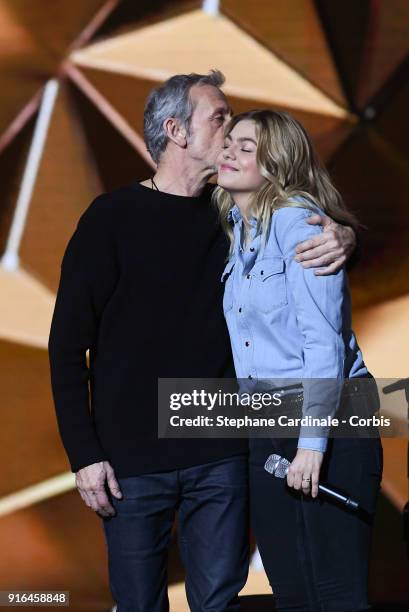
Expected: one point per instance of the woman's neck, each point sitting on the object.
(243, 202)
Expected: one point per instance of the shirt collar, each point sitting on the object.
(235, 215)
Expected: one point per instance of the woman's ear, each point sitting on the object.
(175, 132)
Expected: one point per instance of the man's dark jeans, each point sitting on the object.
(212, 505)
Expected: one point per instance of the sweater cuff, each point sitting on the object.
(78, 464)
(85, 454)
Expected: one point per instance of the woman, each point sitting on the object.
(288, 324)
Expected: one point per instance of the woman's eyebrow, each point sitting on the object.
(243, 138)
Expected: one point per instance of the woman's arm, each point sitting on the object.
(318, 303)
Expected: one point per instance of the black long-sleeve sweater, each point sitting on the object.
(140, 288)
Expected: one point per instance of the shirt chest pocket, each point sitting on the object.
(227, 280)
(268, 290)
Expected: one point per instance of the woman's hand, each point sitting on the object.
(304, 471)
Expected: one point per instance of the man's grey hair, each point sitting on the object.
(172, 99)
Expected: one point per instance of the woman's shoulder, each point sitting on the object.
(289, 223)
(295, 209)
(299, 205)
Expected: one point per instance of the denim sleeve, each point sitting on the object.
(318, 303)
(317, 444)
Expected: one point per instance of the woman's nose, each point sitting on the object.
(228, 153)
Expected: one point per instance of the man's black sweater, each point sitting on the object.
(140, 288)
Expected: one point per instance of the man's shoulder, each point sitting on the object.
(109, 204)
(208, 190)
(104, 206)
(116, 196)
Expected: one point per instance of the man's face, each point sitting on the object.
(210, 115)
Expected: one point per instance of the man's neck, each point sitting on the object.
(183, 180)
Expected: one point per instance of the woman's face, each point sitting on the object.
(237, 167)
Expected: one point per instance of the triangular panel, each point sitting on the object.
(67, 182)
(365, 169)
(29, 440)
(12, 165)
(108, 146)
(54, 25)
(326, 132)
(293, 31)
(197, 42)
(26, 308)
(131, 14)
(127, 94)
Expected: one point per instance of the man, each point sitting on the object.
(140, 287)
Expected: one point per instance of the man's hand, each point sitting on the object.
(304, 471)
(90, 482)
(331, 249)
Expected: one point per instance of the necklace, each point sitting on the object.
(154, 185)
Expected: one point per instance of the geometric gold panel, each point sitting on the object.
(35, 37)
(66, 172)
(327, 132)
(293, 31)
(196, 42)
(30, 446)
(26, 308)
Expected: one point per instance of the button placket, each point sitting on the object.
(243, 285)
(247, 352)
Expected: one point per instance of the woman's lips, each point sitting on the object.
(228, 168)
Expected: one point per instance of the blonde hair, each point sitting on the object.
(290, 166)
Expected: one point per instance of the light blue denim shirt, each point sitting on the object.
(286, 324)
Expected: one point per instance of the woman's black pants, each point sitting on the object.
(315, 551)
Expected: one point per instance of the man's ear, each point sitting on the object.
(175, 132)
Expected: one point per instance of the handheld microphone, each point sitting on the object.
(278, 467)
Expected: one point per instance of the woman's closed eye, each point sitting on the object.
(226, 146)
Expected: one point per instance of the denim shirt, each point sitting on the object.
(285, 323)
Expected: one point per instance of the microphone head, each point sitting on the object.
(282, 468)
(271, 463)
(277, 466)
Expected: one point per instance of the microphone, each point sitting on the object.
(397, 385)
(278, 467)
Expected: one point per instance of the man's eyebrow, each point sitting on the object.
(221, 110)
